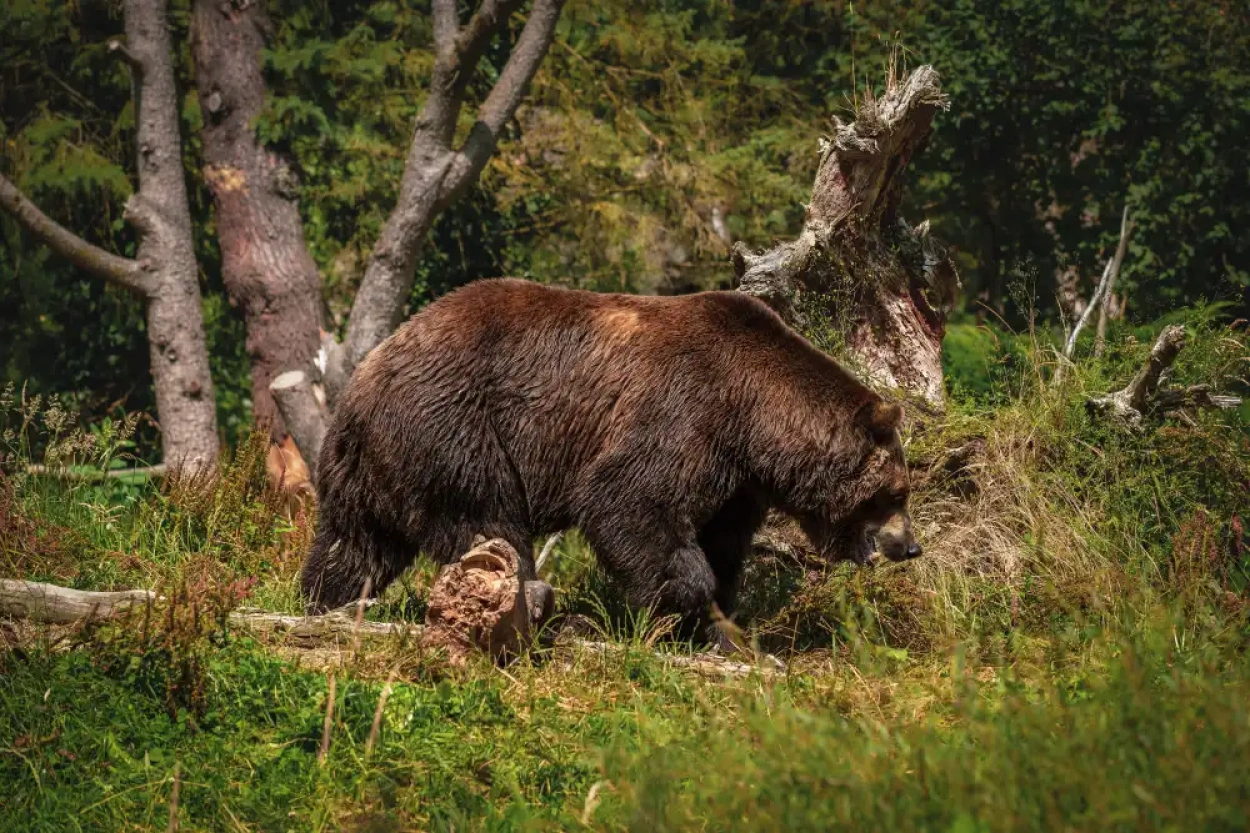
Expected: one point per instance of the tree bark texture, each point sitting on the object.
(266, 266)
(164, 272)
(857, 266)
(436, 173)
(184, 388)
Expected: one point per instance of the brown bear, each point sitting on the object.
(663, 427)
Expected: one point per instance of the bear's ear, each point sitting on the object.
(880, 419)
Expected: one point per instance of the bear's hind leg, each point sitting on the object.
(343, 563)
(726, 539)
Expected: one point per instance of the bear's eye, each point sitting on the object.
(891, 498)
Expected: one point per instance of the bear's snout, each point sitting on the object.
(895, 540)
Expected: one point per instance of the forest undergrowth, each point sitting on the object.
(1069, 654)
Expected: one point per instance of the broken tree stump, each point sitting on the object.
(858, 268)
(481, 603)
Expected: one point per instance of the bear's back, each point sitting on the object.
(518, 336)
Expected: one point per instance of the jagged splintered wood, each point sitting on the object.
(858, 265)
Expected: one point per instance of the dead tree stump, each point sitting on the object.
(858, 268)
(1148, 392)
(481, 603)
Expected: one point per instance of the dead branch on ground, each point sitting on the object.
(1143, 396)
(479, 604)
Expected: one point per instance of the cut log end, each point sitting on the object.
(290, 379)
(303, 412)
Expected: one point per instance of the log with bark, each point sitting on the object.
(163, 273)
(477, 604)
(1146, 394)
(858, 267)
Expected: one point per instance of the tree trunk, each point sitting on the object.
(184, 388)
(164, 272)
(266, 266)
(436, 173)
(858, 272)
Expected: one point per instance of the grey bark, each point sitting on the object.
(1100, 335)
(184, 388)
(1145, 394)
(164, 272)
(436, 173)
(857, 266)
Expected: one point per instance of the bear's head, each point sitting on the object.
(867, 510)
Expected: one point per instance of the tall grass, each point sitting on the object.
(1069, 655)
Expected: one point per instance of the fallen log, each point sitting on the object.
(53, 605)
(91, 476)
(50, 604)
(476, 604)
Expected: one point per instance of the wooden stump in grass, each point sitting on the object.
(481, 603)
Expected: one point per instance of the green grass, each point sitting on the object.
(1144, 728)
(1069, 655)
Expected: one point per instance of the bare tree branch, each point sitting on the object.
(1143, 395)
(126, 55)
(434, 174)
(66, 473)
(1100, 293)
(472, 41)
(546, 551)
(50, 604)
(1100, 334)
(504, 97)
(446, 25)
(121, 271)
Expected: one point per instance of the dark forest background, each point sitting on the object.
(655, 135)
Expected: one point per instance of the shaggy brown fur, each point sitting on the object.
(664, 428)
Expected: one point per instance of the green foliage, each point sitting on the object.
(651, 129)
(978, 360)
(1070, 652)
(1063, 112)
(1144, 740)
